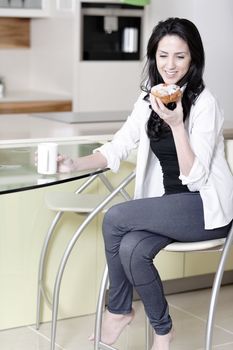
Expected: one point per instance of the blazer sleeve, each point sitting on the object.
(127, 138)
(205, 132)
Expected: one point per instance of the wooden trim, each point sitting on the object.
(35, 106)
(14, 32)
(188, 284)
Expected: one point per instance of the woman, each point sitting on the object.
(183, 189)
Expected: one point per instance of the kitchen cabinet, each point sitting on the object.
(14, 33)
(204, 263)
(36, 8)
(24, 8)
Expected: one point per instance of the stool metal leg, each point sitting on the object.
(149, 334)
(215, 290)
(99, 312)
(40, 283)
(100, 307)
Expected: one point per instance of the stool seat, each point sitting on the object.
(79, 203)
(213, 244)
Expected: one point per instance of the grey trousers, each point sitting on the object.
(134, 232)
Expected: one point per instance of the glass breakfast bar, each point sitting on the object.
(19, 173)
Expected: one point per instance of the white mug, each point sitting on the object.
(47, 158)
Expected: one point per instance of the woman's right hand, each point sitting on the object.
(65, 164)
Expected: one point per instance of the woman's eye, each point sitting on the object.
(162, 56)
(181, 57)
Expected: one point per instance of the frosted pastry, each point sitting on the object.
(167, 92)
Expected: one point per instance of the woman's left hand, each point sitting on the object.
(173, 118)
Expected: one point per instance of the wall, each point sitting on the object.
(214, 20)
(52, 63)
(14, 65)
(52, 54)
(48, 64)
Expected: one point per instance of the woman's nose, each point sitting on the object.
(171, 63)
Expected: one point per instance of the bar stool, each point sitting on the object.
(77, 202)
(222, 245)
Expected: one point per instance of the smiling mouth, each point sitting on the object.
(170, 73)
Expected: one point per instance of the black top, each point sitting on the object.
(165, 151)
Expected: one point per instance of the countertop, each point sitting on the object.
(18, 129)
(84, 117)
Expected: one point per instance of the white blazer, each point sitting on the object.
(210, 173)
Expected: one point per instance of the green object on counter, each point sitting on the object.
(136, 2)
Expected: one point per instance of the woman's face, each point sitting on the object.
(173, 58)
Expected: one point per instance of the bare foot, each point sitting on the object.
(162, 342)
(113, 325)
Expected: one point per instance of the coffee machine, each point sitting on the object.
(111, 31)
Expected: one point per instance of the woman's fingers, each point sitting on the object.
(179, 105)
(61, 157)
(158, 106)
(171, 117)
(65, 164)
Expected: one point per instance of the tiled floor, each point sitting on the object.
(188, 311)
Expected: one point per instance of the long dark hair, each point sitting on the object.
(193, 80)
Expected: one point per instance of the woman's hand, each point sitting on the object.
(173, 118)
(65, 164)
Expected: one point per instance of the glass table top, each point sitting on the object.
(18, 171)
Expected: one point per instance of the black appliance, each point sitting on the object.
(111, 31)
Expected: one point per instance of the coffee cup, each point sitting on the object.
(47, 158)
